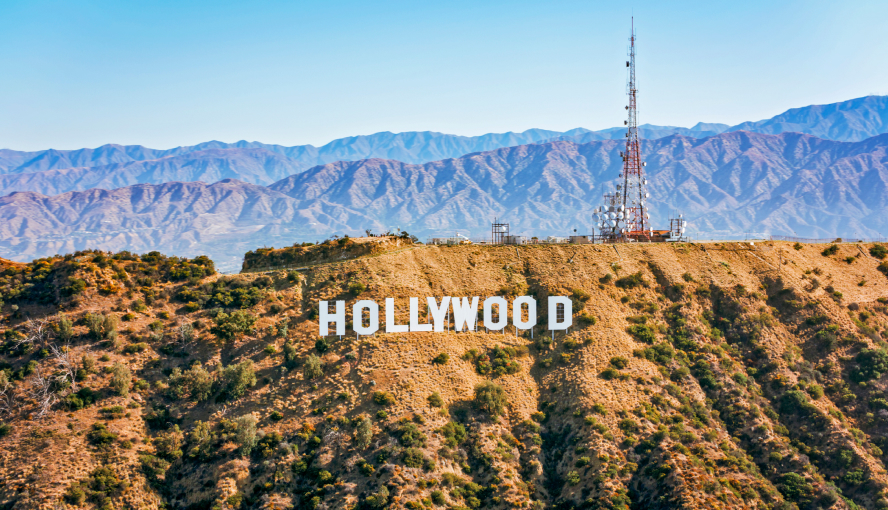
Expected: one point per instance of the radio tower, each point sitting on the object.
(634, 183)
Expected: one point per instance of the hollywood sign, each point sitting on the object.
(465, 315)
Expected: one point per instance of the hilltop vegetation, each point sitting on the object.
(696, 376)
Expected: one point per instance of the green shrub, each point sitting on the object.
(363, 432)
(322, 345)
(794, 487)
(135, 348)
(409, 435)
(312, 368)
(5, 429)
(99, 435)
(832, 250)
(435, 400)
(619, 362)
(113, 412)
(121, 379)
(490, 398)
(356, 288)
(609, 373)
(100, 487)
(291, 356)
(871, 364)
(631, 281)
(454, 434)
(229, 327)
(441, 359)
(384, 398)
(642, 333)
(246, 436)
(236, 379)
(879, 251)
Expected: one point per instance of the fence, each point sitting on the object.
(826, 240)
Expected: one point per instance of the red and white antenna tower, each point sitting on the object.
(634, 192)
(624, 215)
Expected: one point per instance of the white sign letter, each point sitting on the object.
(517, 316)
(439, 312)
(503, 307)
(358, 317)
(414, 317)
(327, 318)
(464, 313)
(567, 321)
(390, 326)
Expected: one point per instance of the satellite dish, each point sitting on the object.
(647, 195)
(620, 208)
(613, 223)
(620, 215)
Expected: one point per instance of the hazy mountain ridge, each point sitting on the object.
(732, 183)
(110, 166)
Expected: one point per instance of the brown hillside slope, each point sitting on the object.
(721, 375)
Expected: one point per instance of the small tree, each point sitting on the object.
(312, 368)
(291, 359)
(246, 436)
(282, 328)
(66, 328)
(120, 379)
(237, 378)
(186, 333)
(363, 432)
(490, 398)
(94, 322)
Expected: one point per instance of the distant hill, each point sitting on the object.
(730, 183)
(112, 166)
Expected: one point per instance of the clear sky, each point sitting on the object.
(82, 73)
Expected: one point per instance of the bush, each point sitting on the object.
(879, 251)
(5, 429)
(384, 398)
(291, 359)
(609, 374)
(619, 362)
(312, 368)
(414, 458)
(832, 250)
(356, 288)
(631, 281)
(490, 398)
(102, 484)
(236, 379)
(454, 434)
(99, 435)
(435, 400)
(642, 333)
(246, 436)
(871, 364)
(121, 379)
(322, 345)
(229, 327)
(409, 435)
(441, 359)
(135, 348)
(794, 487)
(363, 432)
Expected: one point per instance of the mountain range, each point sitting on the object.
(730, 183)
(112, 166)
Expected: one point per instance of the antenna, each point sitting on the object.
(634, 185)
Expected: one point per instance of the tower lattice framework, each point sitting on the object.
(634, 192)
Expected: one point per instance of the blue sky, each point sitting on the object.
(162, 74)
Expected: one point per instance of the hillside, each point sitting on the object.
(725, 185)
(723, 375)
